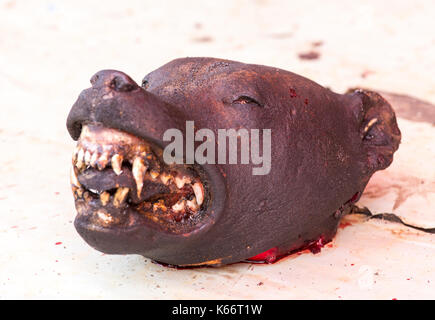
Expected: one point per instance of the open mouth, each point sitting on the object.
(121, 180)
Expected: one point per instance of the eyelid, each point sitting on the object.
(244, 99)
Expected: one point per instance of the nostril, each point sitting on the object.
(122, 84)
(116, 80)
(94, 79)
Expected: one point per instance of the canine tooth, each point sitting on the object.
(74, 180)
(120, 196)
(199, 192)
(139, 170)
(104, 198)
(117, 163)
(94, 159)
(80, 156)
(87, 157)
(103, 160)
(178, 206)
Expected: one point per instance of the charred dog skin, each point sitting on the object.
(325, 147)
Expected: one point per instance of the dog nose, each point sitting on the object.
(116, 80)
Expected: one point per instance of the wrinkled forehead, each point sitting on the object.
(191, 74)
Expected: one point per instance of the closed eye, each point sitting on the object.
(246, 100)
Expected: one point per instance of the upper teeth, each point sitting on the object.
(99, 148)
(103, 160)
(117, 163)
(80, 157)
(74, 180)
(94, 159)
(198, 189)
(88, 158)
(139, 170)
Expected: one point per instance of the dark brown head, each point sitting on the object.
(288, 190)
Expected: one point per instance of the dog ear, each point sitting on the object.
(379, 132)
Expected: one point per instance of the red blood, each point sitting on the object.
(355, 196)
(316, 247)
(273, 255)
(293, 93)
(268, 256)
(58, 243)
(306, 101)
